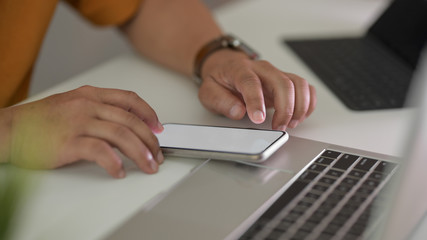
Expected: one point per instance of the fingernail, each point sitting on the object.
(153, 165)
(293, 123)
(258, 116)
(122, 174)
(282, 127)
(160, 126)
(160, 157)
(149, 156)
(235, 111)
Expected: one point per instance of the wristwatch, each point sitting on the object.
(226, 41)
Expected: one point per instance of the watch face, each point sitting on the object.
(241, 46)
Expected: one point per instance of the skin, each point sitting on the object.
(233, 85)
(83, 124)
(88, 123)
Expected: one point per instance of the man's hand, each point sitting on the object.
(85, 124)
(234, 85)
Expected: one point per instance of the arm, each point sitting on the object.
(172, 32)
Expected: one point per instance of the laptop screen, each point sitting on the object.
(403, 27)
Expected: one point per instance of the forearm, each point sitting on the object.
(171, 32)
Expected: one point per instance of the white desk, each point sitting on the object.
(81, 201)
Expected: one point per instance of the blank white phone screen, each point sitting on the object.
(222, 139)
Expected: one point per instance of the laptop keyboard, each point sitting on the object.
(331, 199)
(363, 74)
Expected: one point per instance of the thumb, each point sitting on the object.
(219, 99)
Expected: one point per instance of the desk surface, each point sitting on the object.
(81, 201)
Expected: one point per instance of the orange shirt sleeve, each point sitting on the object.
(23, 25)
(106, 12)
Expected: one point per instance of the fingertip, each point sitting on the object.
(281, 128)
(257, 117)
(160, 158)
(158, 128)
(153, 165)
(237, 111)
(122, 174)
(293, 123)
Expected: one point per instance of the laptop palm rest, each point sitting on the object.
(216, 198)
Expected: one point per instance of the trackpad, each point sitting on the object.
(209, 204)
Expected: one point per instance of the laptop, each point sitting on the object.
(372, 71)
(306, 190)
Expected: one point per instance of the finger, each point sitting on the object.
(135, 124)
(302, 99)
(313, 101)
(96, 150)
(220, 100)
(249, 86)
(125, 140)
(279, 92)
(127, 100)
(284, 102)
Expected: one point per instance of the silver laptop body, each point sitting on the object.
(224, 200)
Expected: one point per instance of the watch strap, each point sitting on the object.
(226, 41)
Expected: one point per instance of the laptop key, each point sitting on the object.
(365, 164)
(357, 174)
(320, 188)
(330, 154)
(334, 173)
(371, 184)
(300, 235)
(307, 176)
(345, 161)
(316, 167)
(286, 197)
(350, 181)
(376, 175)
(327, 180)
(385, 167)
(324, 160)
(332, 228)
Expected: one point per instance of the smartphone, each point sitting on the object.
(215, 142)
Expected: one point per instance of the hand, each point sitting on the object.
(234, 85)
(85, 124)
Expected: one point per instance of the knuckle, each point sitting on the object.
(249, 80)
(99, 147)
(85, 88)
(297, 80)
(79, 102)
(303, 84)
(299, 113)
(115, 166)
(153, 144)
(120, 132)
(289, 113)
(265, 64)
(288, 84)
(132, 119)
(131, 94)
